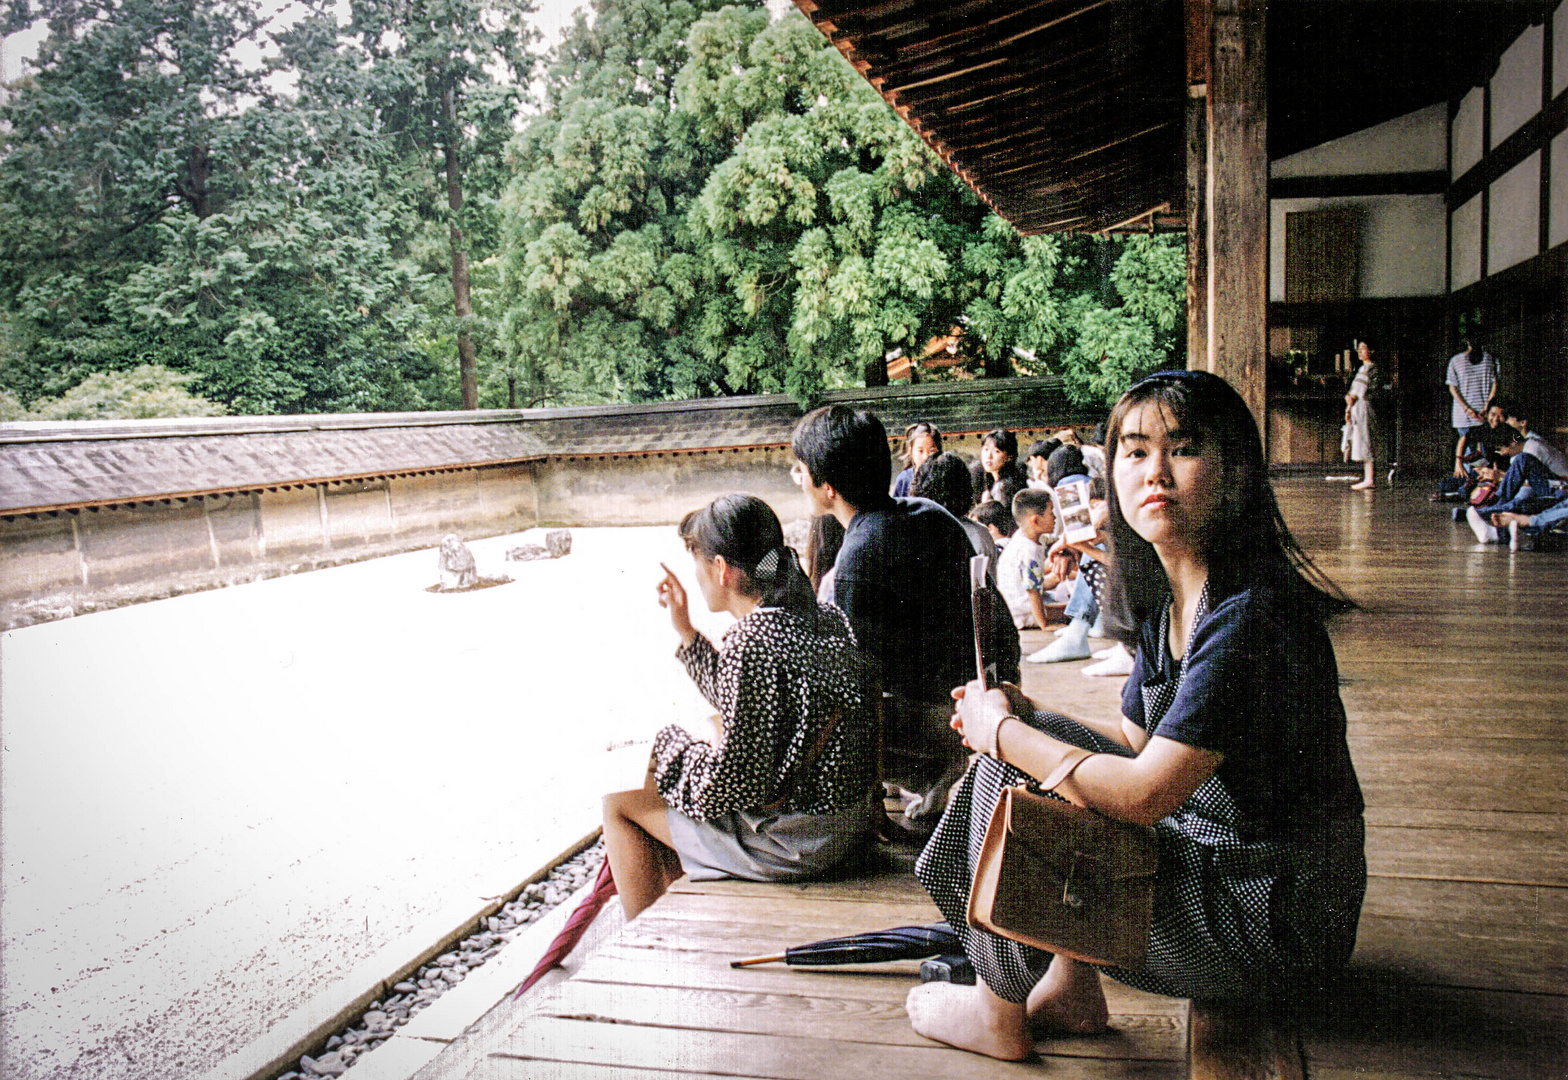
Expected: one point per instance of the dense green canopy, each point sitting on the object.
(690, 199)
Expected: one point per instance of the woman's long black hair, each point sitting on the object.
(746, 531)
(1247, 541)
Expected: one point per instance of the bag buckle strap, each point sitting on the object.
(1076, 885)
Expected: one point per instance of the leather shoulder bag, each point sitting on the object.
(1065, 879)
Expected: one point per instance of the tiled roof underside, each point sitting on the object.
(52, 471)
(72, 473)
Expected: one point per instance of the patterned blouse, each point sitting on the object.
(776, 681)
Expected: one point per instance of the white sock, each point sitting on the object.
(1072, 644)
(1484, 530)
(1118, 663)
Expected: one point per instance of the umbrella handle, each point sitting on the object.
(753, 960)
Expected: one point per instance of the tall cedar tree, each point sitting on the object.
(449, 77)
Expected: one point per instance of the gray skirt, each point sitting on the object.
(760, 846)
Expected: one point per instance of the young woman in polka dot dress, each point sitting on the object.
(787, 790)
(1232, 745)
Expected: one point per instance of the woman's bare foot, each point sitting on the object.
(1505, 519)
(1068, 1000)
(970, 1018)
(1365, 485)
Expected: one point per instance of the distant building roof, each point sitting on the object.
(57, 466)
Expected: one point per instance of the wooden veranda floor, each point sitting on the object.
(1456, 683)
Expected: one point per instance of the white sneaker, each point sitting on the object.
(1118, 663)
(1075, 647)
(1105, 654)
(1484, 530)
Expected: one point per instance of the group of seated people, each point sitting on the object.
(1514, 482)
(1231, 743)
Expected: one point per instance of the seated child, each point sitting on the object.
(998, 521)
(1021, 574)
(787, 790)
(1039, 454)
(1083, 608)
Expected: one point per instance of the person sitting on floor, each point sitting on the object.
(1083, 607)
(1040, 452)
(786, 791)
(1477, 446)
(1232, 746)
(1524, 487)
(902, 577)
(823, 540)
(1536, 446)
(997, 475)
(998, 521)
(922, 440)
(1022, 575)
(944, 479)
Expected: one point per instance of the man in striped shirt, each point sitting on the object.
(1472, 382)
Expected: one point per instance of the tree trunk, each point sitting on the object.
(467, 366)
(875, 372)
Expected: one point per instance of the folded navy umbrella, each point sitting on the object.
(875, 947)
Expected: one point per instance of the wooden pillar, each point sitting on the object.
(1199, 34)
(1238, 202)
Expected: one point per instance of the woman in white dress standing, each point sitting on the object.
(1360, 431)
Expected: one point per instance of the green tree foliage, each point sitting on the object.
(448, 79)
(158, 204)
(712, 202)
(143, 393)
(703, 201)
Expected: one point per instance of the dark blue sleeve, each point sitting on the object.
(1233, 653)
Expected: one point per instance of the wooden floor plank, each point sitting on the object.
(799, 1058)
(1147, 1036)
(1527, 858)
(1509, 908)
(1400, 1030)
(1464, 954)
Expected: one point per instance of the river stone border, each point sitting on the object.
(408, 998)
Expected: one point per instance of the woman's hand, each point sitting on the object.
(980, 712)
(672, 597)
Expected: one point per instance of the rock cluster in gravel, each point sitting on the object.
(415, 993)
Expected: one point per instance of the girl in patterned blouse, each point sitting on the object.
(785, 791)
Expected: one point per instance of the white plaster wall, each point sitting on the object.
(1560, 49)
(1467, 133)
(1401, 243)
(1558, 229)
(1516, 87)
(1514, 233)
(1409, 143)
(1466, 245)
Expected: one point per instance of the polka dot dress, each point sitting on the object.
(1232, 917)
(778, 678)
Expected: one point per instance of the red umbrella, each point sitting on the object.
(603, 889)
